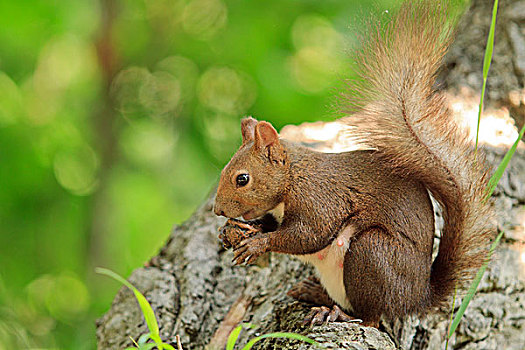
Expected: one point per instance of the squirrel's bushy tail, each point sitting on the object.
(398, 112)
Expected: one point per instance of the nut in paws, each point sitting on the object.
(235, 231)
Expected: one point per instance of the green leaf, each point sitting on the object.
(143, 339)
(147, 311)
(486, 64)
(168, 346)
(234, 335)
(296, 336)
(141, 344)
(232, 338)
(158, 341)
(473, 287)
(503, 165)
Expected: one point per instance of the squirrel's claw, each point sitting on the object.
(316, 316)
(240, 253)
(249, 250)
(248, 230)
(321, 314)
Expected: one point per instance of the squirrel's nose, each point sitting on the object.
(218, 211)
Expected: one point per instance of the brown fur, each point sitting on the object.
(408, 122)
(382, 194)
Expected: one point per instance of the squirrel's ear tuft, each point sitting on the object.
(265, 135)
(248, 129)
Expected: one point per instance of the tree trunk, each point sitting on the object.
(199, 295)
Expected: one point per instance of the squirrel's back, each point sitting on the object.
(395, 108)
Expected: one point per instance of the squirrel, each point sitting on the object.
(364, 218)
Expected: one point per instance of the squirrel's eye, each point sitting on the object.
(242, 180)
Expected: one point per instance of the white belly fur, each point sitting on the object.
(329, 265)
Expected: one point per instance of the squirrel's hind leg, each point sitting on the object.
(384, 275)
(311, 291)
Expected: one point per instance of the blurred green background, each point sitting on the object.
(115, 120)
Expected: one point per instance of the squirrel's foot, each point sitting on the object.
(311, 291)
(374, 324)
(321, 314)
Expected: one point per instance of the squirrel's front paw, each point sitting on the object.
(249, 250)
(235, 231)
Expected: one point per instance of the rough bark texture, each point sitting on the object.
(197, 293)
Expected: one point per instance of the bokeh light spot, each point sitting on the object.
(64, 296)
(65, 61)
(314, 30)
(76, 169)
(10, 100)
(168, 12)
(313, 69)
(226, 90)
(186, 72)
(217, 129)
(69, 297)
(160, 93)
(126, 88)
(204, 18)
(148, 143)
(318, 59)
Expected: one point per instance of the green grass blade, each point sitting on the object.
(143, 339)
(147, 311)
(134, 342)
(234, 335)
(142, 343)
(252, 342)
(167, 346)
(158, 341)
(232, 338)
(480, 109)
(503, 165)
(486, 64)
(451, 314)
(473, 287)
(490, 41)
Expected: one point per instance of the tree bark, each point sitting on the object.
(199, 295)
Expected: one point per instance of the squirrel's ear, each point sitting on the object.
(248, 129)
(265, 135)
(267, 141)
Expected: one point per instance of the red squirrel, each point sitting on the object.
(364, 218)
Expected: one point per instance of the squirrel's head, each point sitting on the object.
(255, 180)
